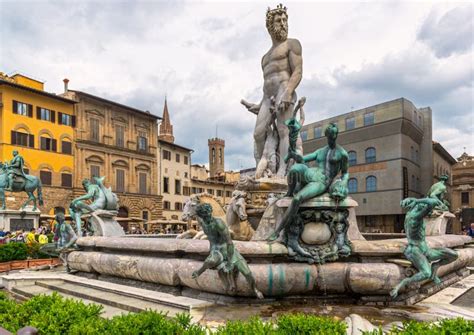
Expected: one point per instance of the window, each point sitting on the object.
(66, 180)
(370, 155)
(210, 191)
(48, 144)
(369, 118)
(23, 139)
(66, 119)
(66, 147)
(22, 108)
(186, 190)
(45, 177)
(420, 121)
(177, 186)
(228, 194)
(219, 193)
(371, 184)
(142, 142)
(304, 135)
(185, 158)
(186, 175)
(213, 159)
(465, 198)
(317, 132)
(178, 206)
(119, 136)
(95, 171)
(221, 156)
(145, 215)
(95, 135)
(166, 185)
(352, 185)
(193, 190)
(166, 205)
(167, 155)
(178, 158)
(120, 180)
(352, 158)
(44, 114)
(142, 184)
(350, 123)
(417, 158)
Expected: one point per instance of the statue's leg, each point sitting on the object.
(311, 190)
(440, 256)
(2, 198)
(283, 134)
(31, 198)
(212, 261)
(295, 177)
(260, 132)
(421, 263)
(244, 269)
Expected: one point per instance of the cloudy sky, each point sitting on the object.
(205, 57)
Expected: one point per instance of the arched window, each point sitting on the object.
(213, 155)
(352, 158)
(122, 212)
(220, 155)
(370, 155)
(352, 185)
(371, 184)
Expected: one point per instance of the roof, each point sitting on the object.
(175, 145)
(443, 153)
(145, 113)
(43, 93)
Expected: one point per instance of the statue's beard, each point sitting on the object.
(279, 34)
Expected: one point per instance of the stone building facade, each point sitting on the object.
(462, 198)
(118, 142)
(391, 157)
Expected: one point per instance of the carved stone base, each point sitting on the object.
(104, 224)
(436, 225)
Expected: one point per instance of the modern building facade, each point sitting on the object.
(391, 157)
(119, 143)
(40, 126)
(462, 199)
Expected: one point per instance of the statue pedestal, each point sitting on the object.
(13, 219)
(436, 225)
(259, 193)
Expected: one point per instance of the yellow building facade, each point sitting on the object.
(40, 126)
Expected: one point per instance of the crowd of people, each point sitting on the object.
(168, 230)
(30, 237)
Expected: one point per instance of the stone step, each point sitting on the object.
(125, 302)
(28, 291)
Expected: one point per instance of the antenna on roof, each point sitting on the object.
(217, 127)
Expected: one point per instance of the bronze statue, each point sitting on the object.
(425, 259)
(438, 191)
(223, 257)
(100, 197)
(308, 182)
(13, 178)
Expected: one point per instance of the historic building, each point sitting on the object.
(174, 167)
(40, 126)
(462, 199)
(220, 188)
(119, 143)
(391, 157)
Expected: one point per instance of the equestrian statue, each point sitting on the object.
(14, 179)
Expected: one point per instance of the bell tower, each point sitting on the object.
(216, 157)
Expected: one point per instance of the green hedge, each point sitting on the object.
(15, 251)
(56, 315)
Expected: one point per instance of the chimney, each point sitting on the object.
(66, 81)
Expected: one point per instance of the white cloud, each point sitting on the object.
(206, 56)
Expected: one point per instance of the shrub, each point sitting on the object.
(13, 252)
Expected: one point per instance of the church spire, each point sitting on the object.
(166, 129)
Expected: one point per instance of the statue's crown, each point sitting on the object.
(279, 9)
